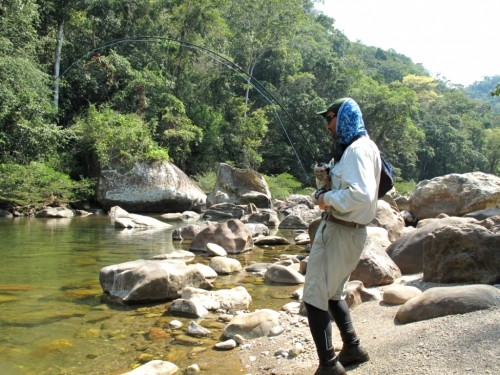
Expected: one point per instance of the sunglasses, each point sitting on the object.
(330, 118)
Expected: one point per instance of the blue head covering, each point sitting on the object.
(349, 121)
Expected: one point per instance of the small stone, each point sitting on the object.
(239, 339)
(193, 369)
(276, 331)
(226, 345)
(175, 324)
(281, 353)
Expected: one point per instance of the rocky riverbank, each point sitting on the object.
(453, 344)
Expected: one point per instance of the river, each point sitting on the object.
(55, 319)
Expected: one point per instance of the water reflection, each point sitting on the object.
(54, 318)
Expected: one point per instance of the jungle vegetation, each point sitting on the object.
(92, 83)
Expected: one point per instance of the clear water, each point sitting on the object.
(55, 319)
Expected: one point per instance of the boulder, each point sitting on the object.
(155, 367)
(195, 330)
(283, 275)
(149, 187)
(150, 280)
(55, 212)
(231, 235)
(187, 232)
(467, 253)
(299, 209)
(6, 214)
(455, 195)
(407, 251)
(258, 267)
(184, 255)
(293, 221)
(442, 301)
(269, 219)
(252, 325)
(225, 266)
(484, 214)
(222, 211)
(215, 250)
(399, 294)
(240, 186)
(375, 267)
(390, 219)
(302, 239)
(356, 294)
(236, 298)
(138, 221)
(186, 307)
(257, 229)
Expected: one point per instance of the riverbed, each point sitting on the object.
(55, 319)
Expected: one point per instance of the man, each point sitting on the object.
(349, 204)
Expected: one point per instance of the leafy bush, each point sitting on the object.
(405, 187)
(206, 181)
(282, 185)
(115, 139)
(37, 184)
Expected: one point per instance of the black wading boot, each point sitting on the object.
(329, 364)
(352, 352)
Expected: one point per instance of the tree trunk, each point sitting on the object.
(57, 65)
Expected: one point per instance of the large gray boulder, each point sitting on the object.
(462, 253)
(224, 211)
(240, 186)
(442, 301)
(455, 195)
(389, 218)
(155, 187)
(155, 367)
(55, 212)
(231, 235)
(375, 267)
(150, 280)
(252, 325)
(236, 298)
(408, 250)
(6, 214)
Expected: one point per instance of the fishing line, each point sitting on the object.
(261, 89)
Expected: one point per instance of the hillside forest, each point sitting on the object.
(93, 84)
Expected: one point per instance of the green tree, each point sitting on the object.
(492, 151)
(108, 139)
(175, 131)
(27, 130)
(388, 111)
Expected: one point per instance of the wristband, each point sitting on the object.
(319, 192)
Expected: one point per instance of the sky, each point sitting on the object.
(455, 40)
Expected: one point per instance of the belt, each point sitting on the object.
(326, 216)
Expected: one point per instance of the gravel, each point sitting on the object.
(454, 344)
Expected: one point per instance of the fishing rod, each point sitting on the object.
(249, 78)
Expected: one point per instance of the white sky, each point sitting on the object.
(457, 40)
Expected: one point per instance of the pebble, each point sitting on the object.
(226, 345)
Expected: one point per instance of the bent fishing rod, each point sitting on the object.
(249, 78)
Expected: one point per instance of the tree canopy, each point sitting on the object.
(87, 83)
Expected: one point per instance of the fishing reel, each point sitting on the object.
(321, 172)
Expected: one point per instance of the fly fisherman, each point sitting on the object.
(348, 196)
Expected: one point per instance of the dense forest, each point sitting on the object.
(90, 84)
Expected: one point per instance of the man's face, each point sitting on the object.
(331, 123)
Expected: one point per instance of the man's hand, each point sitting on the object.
(321, 202)
(320, 199)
